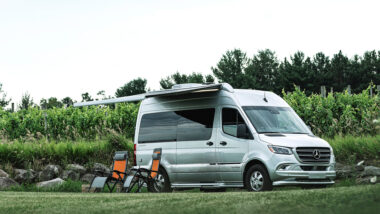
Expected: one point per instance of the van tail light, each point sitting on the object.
(134, 155)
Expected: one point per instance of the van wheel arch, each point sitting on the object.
(166, 171)
(251, 163)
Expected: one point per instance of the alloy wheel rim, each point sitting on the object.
(257, 181)
(159, 183)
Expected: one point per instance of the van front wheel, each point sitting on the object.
(257, 179)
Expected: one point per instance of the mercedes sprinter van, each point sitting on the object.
(215, 137)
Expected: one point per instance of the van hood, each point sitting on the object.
(294, 140)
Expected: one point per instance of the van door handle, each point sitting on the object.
(223, 143)
(210, 143)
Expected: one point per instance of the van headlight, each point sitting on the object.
(332, 157)
(280, 150)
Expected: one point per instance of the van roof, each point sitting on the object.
(249, 97)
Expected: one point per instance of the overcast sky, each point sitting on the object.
(58, 48)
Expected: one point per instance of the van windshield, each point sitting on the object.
(270, 119)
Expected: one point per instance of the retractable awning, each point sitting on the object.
(133, 98)
(186, 90)
(176, 90)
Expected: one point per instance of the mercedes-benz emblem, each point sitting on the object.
(316, 154)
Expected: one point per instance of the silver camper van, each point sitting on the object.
(215, 137)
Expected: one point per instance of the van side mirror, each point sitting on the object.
(243, 132)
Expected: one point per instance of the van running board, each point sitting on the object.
(205, 185)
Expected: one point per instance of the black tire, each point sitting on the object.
(159, 186)
(214, 190)
(260, 179)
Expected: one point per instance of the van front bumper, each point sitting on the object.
(304, 177)
(295, 175)
(306, 182)
(291, 173)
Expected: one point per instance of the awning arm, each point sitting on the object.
(132, 98)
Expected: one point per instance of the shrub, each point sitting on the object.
(117, 141)
(351, 149)
(338, 113)
(20, 153)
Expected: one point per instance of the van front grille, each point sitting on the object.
(314, 168)
(314, 154)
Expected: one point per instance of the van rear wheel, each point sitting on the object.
(161, 182)
(257, 179)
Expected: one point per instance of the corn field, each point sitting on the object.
(68, 123)
(338, 113)
(335, 114)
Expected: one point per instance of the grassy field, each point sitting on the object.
(354, 199)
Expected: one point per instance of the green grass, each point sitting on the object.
(354, 199)
(76, 186)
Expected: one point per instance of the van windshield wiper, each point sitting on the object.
(270, 133)
(297, 133)
(283, 133)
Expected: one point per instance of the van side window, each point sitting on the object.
(234, 125)
(188, 125)
(158, 127)
(195, 124)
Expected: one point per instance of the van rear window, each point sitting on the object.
(188, 125)
(158, 127)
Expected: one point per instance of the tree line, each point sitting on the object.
(265, 71)
(262, 71)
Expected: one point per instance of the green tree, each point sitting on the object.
(101, 93)
(26, 102)
(340, 65)
(86, 97)
(67, 101)
(136, 86)
(50, 103)
(370, 70)
(354, 74)
(209, 78)
(297, 71)
(262, 71)
(377, 73)
(321, 74)
(166, 83)
(3, 97)
(178, 78)
(230, 68)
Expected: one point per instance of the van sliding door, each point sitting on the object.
(195, 146)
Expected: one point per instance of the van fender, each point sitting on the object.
(255, 158)
(167, 167)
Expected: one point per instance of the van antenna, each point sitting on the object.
(265, 98)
